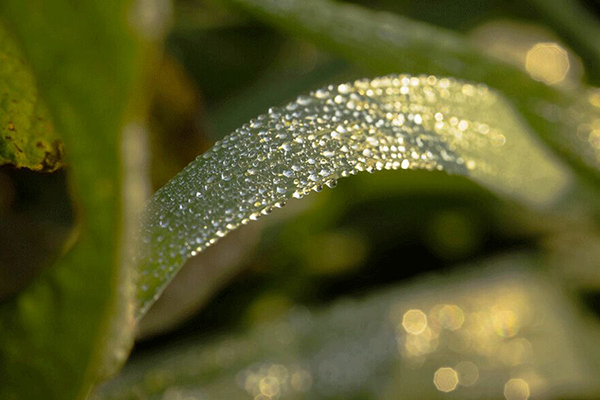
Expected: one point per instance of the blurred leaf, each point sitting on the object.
(204, 15)
(566, 118)
(73, 323)
(574, 257)
(459, 15)
(498, 324)
(395, 122)
(27, 137)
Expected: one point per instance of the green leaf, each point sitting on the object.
(73, 324)
(27, 137)
(565, 118)
(498, 320)
(394, 122)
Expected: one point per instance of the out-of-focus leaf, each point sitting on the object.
(73, 324)
(500, 326)
(567, 119)
(27, 137)
(574, 255)
(195, 16)
(395, 122)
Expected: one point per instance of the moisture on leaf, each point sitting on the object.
(394, 122)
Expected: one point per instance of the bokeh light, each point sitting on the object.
(468, 373)
(451, 317)
(505, 321)
(548, 63)
(516, 389)
(414, 321)
(445, 379)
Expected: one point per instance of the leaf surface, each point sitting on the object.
(27, 137)
(394, 122)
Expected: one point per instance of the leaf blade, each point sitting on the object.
(88, 59)
(394, 122)
(27, 137)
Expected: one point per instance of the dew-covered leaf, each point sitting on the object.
(567, 118)
(394, 122)
(73, 324)
(499, 325)
(27, 137)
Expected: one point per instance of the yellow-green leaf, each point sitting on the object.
(27, 136)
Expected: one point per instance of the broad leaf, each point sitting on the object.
(394, 122)
(73, 323)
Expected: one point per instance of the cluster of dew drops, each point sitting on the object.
(333, 132)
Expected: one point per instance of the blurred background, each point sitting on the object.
(394, 285)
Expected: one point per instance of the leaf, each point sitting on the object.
(498, 320)
(27, 137)
(73, 324)
(565, 118)
(394, 122)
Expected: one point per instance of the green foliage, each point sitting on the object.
(57, 334)
(73, 75)
(395, 122)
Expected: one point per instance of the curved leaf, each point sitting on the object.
(74, 323)
(566, 118)
(394, 122)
